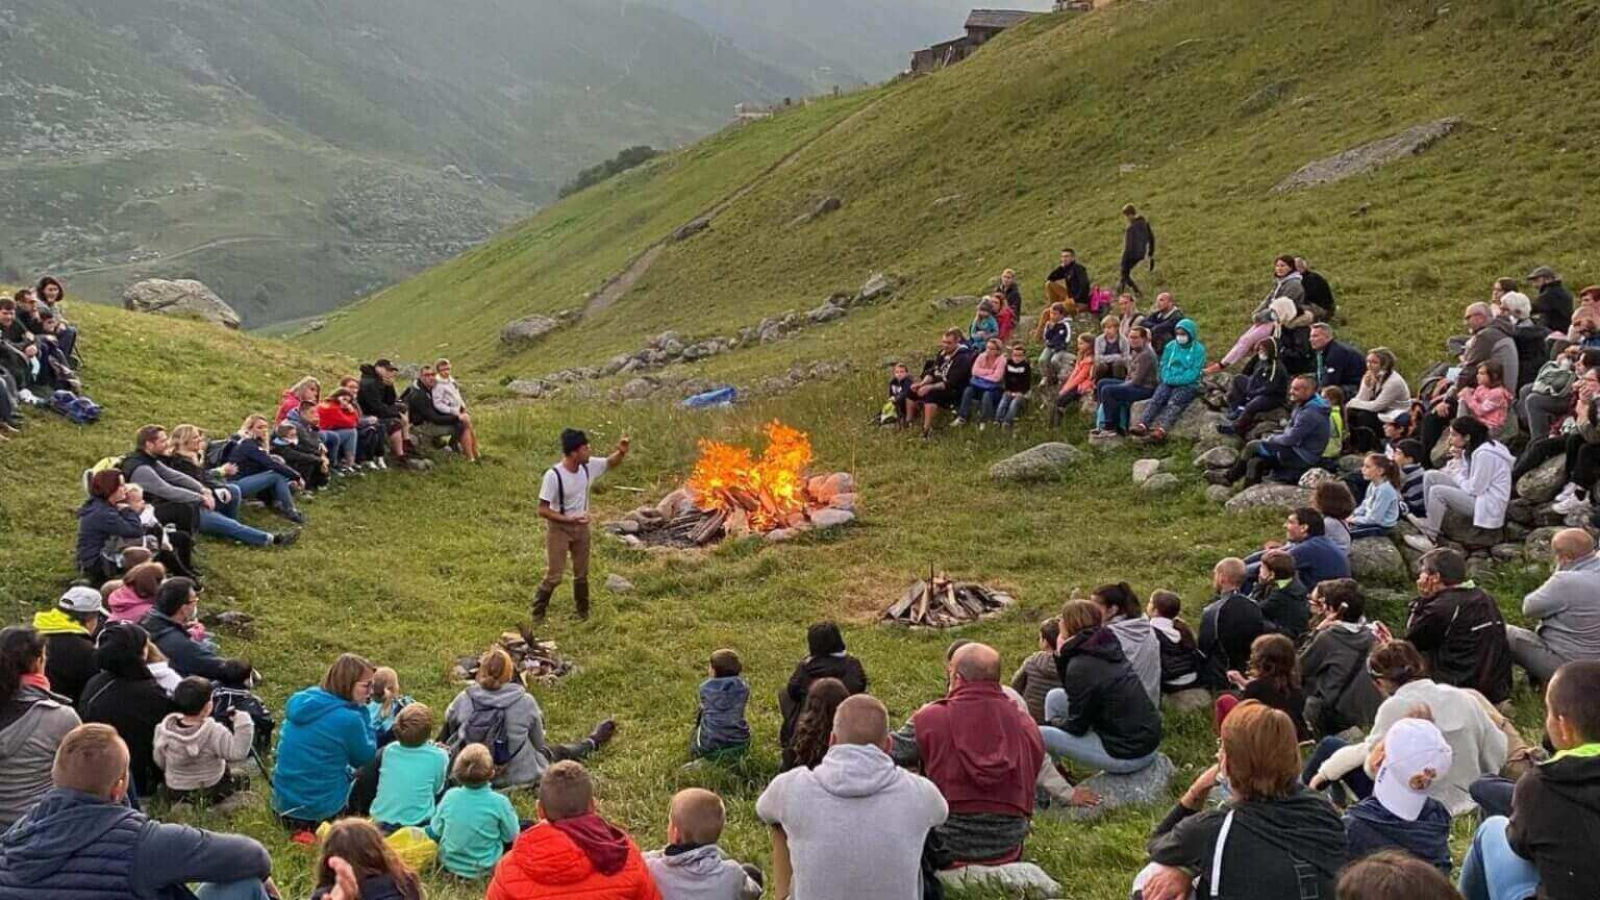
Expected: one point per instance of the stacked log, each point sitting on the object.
(536, 660)
(939, 602)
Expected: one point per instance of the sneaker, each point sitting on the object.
(603, 733)
(1419, 542)
(1570, 505)
(1567, 493)
(958, 422)
(381, 464)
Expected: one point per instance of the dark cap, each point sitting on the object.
(573, 440)
(383, 364)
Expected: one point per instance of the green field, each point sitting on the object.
(1033, 134)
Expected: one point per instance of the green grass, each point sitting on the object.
(414, 571)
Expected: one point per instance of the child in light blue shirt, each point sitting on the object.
(474, 824)
(1380, 508)
(411, 772)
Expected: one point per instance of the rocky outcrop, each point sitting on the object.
(1543, 483)
(1377, 559)
(821, 208)
(531, 328)
(1269, 496)
(1145, 469)
(1368, 157)
(1147, 787)
(183, 298)
(691, 229)
(1040, 463)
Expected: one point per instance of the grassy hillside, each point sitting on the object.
(1030, 138)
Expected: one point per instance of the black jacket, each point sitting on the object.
(1340, 365)
(1019, 377)
(1228, 626)
(1339, 692)
(1533, 351)
(1553, 307)
(1291, 701)
(1292, 847)
(373, 887)
(956, 369)
(69, 663)
(129, 700)
(1267, 380)
(1163, 326)
(200, 473)
(1104, 695)
(188, 656)
(1139, 242)
(1462, 634)
(1076, 278)
(821, 664)
(1555, 821)
(1013, 297)
(377, 398)
(420, 408)
(252, 459)
(1318, 291)
(1285, 610)
(100, 523)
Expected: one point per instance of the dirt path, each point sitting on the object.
(623, 282)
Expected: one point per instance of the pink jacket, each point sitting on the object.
(128, 606)
(1082, 377)
(995, 372)
(1487, 405)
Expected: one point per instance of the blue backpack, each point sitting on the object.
(78, 410)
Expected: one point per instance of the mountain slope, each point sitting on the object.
(333, 147)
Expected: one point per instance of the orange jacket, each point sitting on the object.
(545, 862)
(1082, 377)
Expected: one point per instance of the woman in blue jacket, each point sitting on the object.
(249, 454)
(103, 525)
(327, 736)
(1183, 361)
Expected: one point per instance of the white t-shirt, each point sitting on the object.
(572, 496)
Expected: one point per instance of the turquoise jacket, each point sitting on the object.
(324, 739)
(473, 825)
(1180, 365)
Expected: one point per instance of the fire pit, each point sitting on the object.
(939, 602)
(535, 660)
(731, 493)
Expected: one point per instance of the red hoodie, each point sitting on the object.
(981, 750)
(583, 858)
(334, 417)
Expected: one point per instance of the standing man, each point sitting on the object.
(1138, 244)
(564, 505)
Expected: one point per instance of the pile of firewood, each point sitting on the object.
(536, 660)
(939, 602)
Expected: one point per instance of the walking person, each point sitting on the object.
(1138, 244)
(564, 505)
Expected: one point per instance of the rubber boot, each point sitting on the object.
(541, 604)
(580, 595)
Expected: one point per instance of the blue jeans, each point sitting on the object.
(1116, 402)
(263, 482)
(986, 398)
(217, 524)
(1357, 781)
(248, 889)
(1361, 531)
(1493, 794)
(1494, 871)
(1011, 406)
(1167, 403)
(341, 446)
(1087, 749)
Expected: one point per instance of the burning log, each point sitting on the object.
(939, 602)
(535, 660)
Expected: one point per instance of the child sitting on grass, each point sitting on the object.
(386, 703)
(1274, 680)
(194, 749)
(1079, 384)
(1037, 676)
(1400, 814)
(692, 866)
(474, 824)
(720, 725)
(411, 772)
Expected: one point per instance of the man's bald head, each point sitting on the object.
(861, 719)
(1229, 573)
(977, 663)
(1571, 544)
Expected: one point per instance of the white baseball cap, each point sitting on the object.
(1415, 758)
(82, 600)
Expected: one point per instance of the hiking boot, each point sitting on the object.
(602, 733)
(580, 596)
(541, 604)
(293, 515)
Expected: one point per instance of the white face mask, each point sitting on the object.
(1182, 338)
(1261, 356)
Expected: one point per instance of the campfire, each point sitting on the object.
(939, 602)
(732, 493)
(535, 660)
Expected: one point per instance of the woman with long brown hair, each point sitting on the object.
(378, 872)
(815, 725)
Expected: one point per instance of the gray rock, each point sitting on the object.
(1506, 552)
(1107, 442)
(1217, 458)
(1351, 463)
(1543, 483)
(1377, 559)
(1158, 483)
(616, 584)
(876, 286)
(779, 535)
(183, 298)
(1218, 493)
(831, 517)
(691, 229)
(1147, 787)
(1538, 542)
(827, 312)
(1171, 464)
(1213, 440)
(961, 302)
(1269, 496)
(638, 389)
(1523, 512)
(1018, 879)
(1191, 700)
(524, 387)
(1314, 477)
(1143, 469)
(1195, 423)
(1039, 463)
(1367, 157)
(528, 329)
(1459, 528)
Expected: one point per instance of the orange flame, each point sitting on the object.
(768, 490)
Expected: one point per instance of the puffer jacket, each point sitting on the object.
(1182, 366)
(547, 862)
(32, 726)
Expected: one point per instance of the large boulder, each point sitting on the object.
(1538, 542)
(1217, 458)
(876, 286)
(831, 517)
(1147, 787)
(1458, 527)
(184, 298)
(1160, 483)
(1543, 483)
(1196, 421)
(1018, 879)
(1037, 464)
(1368, 156)
(1144, 469)
(1269, 496)
(528, 329)
(1312, 478)
(1377, 559)
(1186, 701)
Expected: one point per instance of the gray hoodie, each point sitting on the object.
(31, 728)
(861, 786)
(1139, 645)
(196, 757)
(700, 874)
(1567, 608)
(524, 729)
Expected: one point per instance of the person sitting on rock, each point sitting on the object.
(944, 380)
(1015, 389)
(1229, 624)
(1319, 299)
(447, 399)
(1482, 490)
(378, 399)
(1101, 717)
(1553, 306)
(1079, 384)
(1407, 454)
(1340, 695)
(1162, 321)
(826, 658)
(1068, 283)
(427, 420)
(1285, 456)
(1579, 442)
(1457, 626)
(983, 752)
(1180, 658)
(1282, 597)
(1282, 840)
(1317, 558)
(1488, 400)
(1565, 610)
(1549, 399)
(1380, 508)
(341, 421)
(1381, 392)
(1335, 364)
(1117, 395)
(1110, 350)
(1182, 363)
(1337, 504)
(1037, 675)
(984, 328)
(1277, 311)
(1260, 389)
(1121, 612)
(1273, 679)
(982, 396)
(1056, 333)
(1490, 339)
(1530, 336)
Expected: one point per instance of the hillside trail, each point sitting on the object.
(620, 284)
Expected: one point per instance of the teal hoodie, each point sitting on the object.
(1180, 365)
(324, 739)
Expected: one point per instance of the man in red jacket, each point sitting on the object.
(984, 753)
(572, 852)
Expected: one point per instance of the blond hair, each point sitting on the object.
(182, 436)
(474, 766)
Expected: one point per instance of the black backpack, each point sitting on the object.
(224, 700)
(217, 452)
(486, 725)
